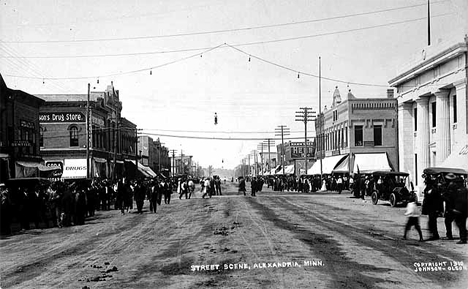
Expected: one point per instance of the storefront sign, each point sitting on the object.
(97, 120)
(27, 124)
(54, 164)
(62, 117)
(298, 149)
(74, 169)
(21, 143)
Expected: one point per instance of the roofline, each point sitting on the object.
(404, 76)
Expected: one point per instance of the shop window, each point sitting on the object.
(377, 135)
(358, 135)
(73, 136)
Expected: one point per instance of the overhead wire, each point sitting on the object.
(26, 65)
(225, 30)
(236, 44)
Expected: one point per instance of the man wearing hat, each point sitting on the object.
(448, 197)
(460, 209)
(5, 217)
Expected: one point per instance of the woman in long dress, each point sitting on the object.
(324, 185)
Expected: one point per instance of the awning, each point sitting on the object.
(458, 158)
(147, 170)
(328, 165)
(74, 169)
(343, 166)
(367, 163)
(289, 170)
(100, 160)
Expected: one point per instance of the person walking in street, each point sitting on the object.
(253, 186)
(207, 188)
(432, 206)
(242, 185)
(167, 191)
(413, 213)
(339, 184)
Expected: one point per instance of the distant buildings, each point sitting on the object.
(154, 155)
(19, 134)
(357, 135)
(432, 109)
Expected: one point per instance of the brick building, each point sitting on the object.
(19, 134)
(63, 135)
(433, 108)
(357, 134)
(154, 154)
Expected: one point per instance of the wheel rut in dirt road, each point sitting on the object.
(344, 272)
(386, 246)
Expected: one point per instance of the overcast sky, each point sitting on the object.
(61, 46)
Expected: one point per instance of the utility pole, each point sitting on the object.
(428, 23)
(305, 115)
(87, 132)
(173, 162)
(136, 153)
(321, 118)
(282, 130)
(159, 156)
(269, 142)
(260, 147)
(116, 135)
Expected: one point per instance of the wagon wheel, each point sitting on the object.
(375, 197)
(393, 200)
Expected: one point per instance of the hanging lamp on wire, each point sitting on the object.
(43, 81)
(298, 76)
(97, 81)
(151, 72)
(249, 58)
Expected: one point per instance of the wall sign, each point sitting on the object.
(62, 117)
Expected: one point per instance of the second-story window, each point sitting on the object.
(41, 136)
(73, 136)
(358, 135)
(377, 135)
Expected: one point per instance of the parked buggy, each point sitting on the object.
(391, 187)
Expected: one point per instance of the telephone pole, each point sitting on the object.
(269, 142)
(87, 132)
(305, 115)
(173, 162)
(282, 130)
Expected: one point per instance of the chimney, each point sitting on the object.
(390, 93)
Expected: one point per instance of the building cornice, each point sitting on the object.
(441, 57)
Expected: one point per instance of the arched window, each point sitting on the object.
(73, 136)
(41, 136)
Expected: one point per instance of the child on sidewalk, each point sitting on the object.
(413, 213)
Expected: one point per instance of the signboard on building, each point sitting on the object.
(21, 143)
(61, 117)
(298, 148)
(74, 169)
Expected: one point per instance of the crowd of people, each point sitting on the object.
(60, 204)
(446, 196)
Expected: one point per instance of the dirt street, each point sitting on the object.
(274, 240)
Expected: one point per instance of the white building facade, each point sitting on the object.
(432, 108)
